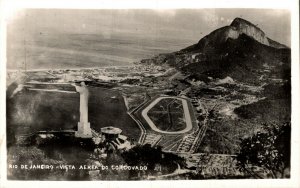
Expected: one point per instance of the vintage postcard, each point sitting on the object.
(108, 94)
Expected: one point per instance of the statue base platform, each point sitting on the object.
(84, 130)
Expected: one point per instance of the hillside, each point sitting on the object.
(241, 51)
(240, 75)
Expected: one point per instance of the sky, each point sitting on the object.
(183, 24)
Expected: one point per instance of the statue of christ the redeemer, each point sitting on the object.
(84, 128)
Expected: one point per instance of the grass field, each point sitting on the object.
(168, 115)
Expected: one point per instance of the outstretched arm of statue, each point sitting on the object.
(77, 87)
(74, 84)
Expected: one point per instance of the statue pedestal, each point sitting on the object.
(84, 130)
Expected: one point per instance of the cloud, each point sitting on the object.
(229, 20)
(211, 18)
(165, 12)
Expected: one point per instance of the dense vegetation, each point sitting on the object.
(152, 157)
(270, 150)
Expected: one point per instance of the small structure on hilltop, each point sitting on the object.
(110, 133)
(112, 137)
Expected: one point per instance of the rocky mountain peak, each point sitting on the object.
(239, 22)
(246, 27)
(237, 28)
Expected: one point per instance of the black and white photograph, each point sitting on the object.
(148, 94)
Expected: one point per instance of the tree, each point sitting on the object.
(267, 153)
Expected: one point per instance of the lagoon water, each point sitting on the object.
(31, 111)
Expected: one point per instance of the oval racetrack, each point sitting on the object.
(186, 111)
